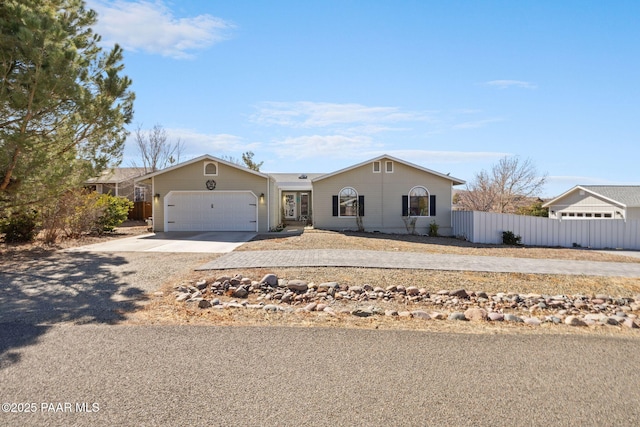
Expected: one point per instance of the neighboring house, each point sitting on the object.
(597, 202)
(208, 193)
(120, 182)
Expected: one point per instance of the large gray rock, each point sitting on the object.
(241, 292)
(512, 318)
(459, 293)
(457, 316)
(297, 285)
(574, 321)
(420, 314)
(362, 313)
(270, 279)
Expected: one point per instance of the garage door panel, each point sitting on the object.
(207, 211)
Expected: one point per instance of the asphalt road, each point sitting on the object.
(188, 376)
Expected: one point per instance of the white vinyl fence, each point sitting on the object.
(486, 227)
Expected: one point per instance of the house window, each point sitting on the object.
(377, 167)
(211, 169)
(140, 194)
(348, 200)
(389, 167)
(418, 202)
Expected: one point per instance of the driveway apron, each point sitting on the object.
(175, 241)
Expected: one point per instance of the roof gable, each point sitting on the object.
(625, 195)
(454, 181)
(200, 159)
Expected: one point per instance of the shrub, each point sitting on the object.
(19, 226)
(509, 238)
(410, 224)
(74, 213)
(433, 229)
(116, 211)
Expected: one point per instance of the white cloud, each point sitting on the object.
(214, 144)
(506, 84)
(426, 157)
(306, 114)
(318, 146)
(196, 144)
(152, 27)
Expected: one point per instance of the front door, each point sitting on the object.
(290, 208)
(304, 206)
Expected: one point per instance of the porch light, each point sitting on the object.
(156, 197)
(261, 197)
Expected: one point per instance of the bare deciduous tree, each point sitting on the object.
(247, 159)
(508, 186)
(156, 152)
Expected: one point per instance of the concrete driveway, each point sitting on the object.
(174, 241)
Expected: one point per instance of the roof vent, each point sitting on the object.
(303, 176)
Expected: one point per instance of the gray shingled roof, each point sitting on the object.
(628, 195)
(116, 175)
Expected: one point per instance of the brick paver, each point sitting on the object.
(419, 261)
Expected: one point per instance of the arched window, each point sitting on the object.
(211, 168)
(348, 199)
(419, 202)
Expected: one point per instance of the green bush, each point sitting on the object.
(116, 211)
(19, 227)
(433, 229)
(509, 238)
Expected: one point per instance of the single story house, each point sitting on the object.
(596, 202)
(209, 194)
(119, 182)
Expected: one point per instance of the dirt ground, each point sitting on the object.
(162, 308)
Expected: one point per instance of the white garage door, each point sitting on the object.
(211, 211)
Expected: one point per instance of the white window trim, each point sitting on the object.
(386, 166)
(339, 210)
(428, 196)
(205, 168)
(379, 167)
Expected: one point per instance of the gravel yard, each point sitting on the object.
(165, 309)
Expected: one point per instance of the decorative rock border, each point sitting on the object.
(279, 295)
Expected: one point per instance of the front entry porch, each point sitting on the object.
(296, 207)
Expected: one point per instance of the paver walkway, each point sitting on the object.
(419, 261)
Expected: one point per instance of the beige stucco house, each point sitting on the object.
(596, 202)
(208, 193)
(383, 191)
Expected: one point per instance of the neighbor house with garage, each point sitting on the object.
(596, 202)
(379, 195)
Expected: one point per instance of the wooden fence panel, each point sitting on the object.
(141, 211)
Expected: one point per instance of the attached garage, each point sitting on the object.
(211, 211)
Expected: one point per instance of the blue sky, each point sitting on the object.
(316, 86)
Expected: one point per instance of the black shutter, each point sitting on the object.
(335, 205)
(361, 205)
(405, 205)
(432, 205)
